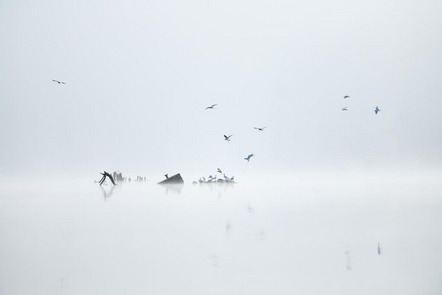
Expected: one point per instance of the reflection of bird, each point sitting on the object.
(218, 170)
(344, 109)
(347, 96)
(248, 157)
(59, 82)
(228, 226)
(377, 110)
(211, 107)
(347, 254)
(227, 137)
(250, 208)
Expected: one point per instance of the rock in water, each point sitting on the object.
(172, 180)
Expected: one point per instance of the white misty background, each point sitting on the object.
(140, 73)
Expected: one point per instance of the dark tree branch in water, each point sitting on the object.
(105, 174)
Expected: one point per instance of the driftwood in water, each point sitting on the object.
(172, 179)
(118, 176)
(105, 174)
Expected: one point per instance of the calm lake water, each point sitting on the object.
(305, 236)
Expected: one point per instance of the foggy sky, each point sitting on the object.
(140, 73)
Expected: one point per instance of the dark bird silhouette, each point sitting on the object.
(249, 157)
(260, 129)
(344, 109)
(347, 96)
(59, 82)
(218, 170)
(227, 137)
(376, 110)
(211, 107)
(166, 175)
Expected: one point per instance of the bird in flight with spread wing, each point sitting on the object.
(212, 107)
(249, 157)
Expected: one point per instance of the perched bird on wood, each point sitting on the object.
(249, 157)
(260, 129)
(347, 96)
(227, 137)
(212, 106)
(59, 82)
(376, 110)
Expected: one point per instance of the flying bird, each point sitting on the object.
(227, 137)
(248, 157)
(218, 170)
(344, 109)
(376, 110)
(347, 96)
(59, 82)
(260, 129)
(379, 249)
(212, 106)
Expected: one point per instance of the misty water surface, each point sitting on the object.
(300, 237)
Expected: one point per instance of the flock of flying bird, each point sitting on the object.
(376, 110)
(227, 138)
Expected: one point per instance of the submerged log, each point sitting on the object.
(105, 174)
(176, 179)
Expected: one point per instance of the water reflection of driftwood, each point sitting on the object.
(174, 188)
(107, 194)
